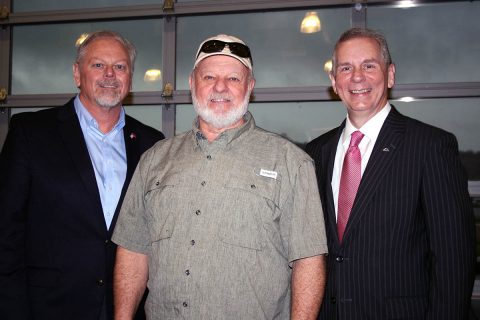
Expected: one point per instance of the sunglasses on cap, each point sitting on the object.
(235, 48)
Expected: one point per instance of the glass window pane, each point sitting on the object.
(282, 55)
(149, 115)
(35, 5)
(42, 55)
(433, 43)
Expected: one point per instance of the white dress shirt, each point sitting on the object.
(370, 129)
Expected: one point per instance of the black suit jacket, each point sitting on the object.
(56, 257)
(408, 250)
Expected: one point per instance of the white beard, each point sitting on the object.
(108, 99)
(220, 120)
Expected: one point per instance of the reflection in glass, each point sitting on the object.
(42, 55)
(152, 75)
(434, 43)
(282, 55)
(311, 23)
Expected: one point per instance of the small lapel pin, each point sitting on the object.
(133, 135)
(386, 150)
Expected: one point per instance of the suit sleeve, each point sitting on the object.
(450, 229)
(14, 191)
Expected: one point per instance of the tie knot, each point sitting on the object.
(357, 136)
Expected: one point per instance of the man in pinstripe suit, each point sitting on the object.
(408, 249)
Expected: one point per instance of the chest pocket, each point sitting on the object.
(251, 203)
(162, 202)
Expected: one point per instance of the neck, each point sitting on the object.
(359, 118)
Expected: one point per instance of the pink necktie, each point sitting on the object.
(349, 181)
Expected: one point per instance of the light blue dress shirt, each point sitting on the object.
(108, 155)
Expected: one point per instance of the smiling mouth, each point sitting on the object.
(360, 91)
(108, 87)
(108, 84)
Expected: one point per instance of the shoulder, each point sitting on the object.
(425, 133)
(166, 152)
(274, 144)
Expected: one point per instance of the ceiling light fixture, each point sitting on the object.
(310, 23)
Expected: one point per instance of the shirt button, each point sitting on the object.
(187, 272)
(185, 304)
(198, 212)
(192, 242)
(107, 241)
(333, 300)
(203, 183)
(253, 186)
(209, 157)
(339, 259)
(100, 282)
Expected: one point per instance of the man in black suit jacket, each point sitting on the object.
(57, 208)
(407, 251)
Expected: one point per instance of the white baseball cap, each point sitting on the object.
(226, 45)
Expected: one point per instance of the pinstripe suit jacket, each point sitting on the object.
(409, 246)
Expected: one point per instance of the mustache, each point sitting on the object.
(219, 96)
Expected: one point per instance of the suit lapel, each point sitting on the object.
(387, 145)
(328, 156)
(71, 133)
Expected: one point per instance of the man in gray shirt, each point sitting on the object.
(225, 220)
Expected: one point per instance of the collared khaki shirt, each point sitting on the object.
(221, 223)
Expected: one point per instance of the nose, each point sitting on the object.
(357, 75)
(109, 72)
(220, 85)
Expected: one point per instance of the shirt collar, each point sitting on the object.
(228, 136)
(371, 128)
(88, 121)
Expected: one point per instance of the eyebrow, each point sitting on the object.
(364, 61)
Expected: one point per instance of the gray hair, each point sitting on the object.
(355, 33)
(107, 34)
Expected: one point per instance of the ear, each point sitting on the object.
(190, 79)
(76, 74)
(391, 75)
(332, 80)
(251, 84)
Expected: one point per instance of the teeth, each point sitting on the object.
(360, 91)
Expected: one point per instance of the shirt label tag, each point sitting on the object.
(268, 173)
